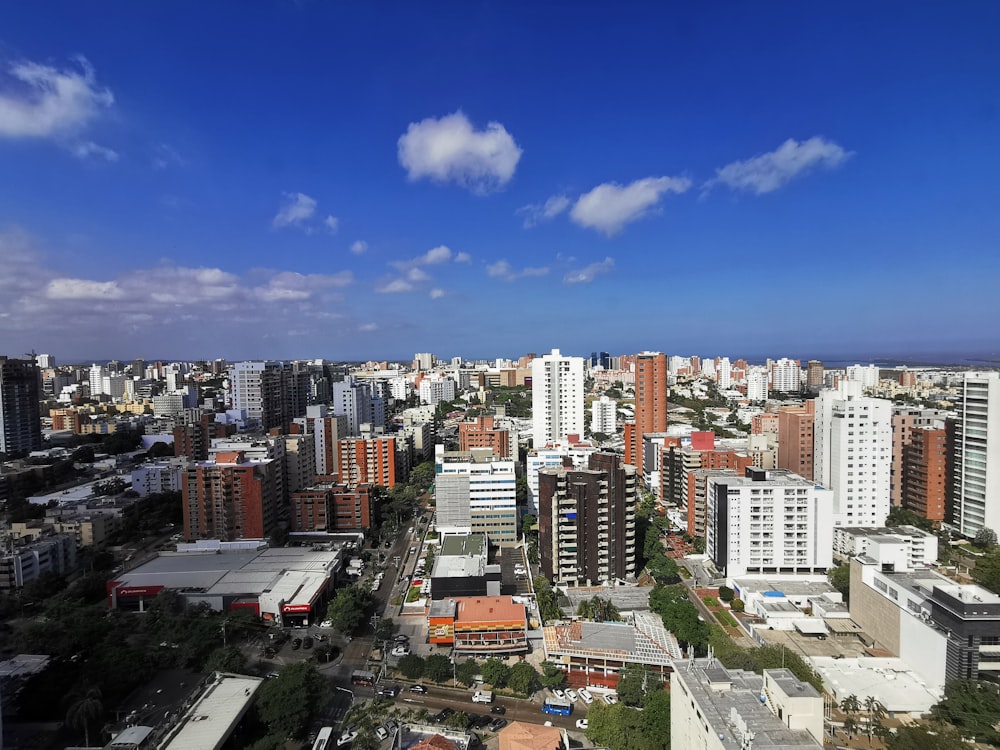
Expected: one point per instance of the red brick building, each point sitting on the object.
(332, 507)
(482, 432)
(232, 498)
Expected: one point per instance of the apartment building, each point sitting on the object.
(482, 432)
(976, 483)
(556, 398)
(230, 498)
(475, 492)
(330, 507)
(796, 439)
(20, 415)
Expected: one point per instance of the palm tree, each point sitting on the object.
(876, 711)
(85, 709)
(850, 705)
(850, 726)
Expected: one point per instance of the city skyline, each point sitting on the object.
(297, 180)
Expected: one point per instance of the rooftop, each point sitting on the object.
(645, 640)
(489, 609)
(213, 716)
(889, 680)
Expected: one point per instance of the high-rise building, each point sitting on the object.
(331, 507)
(867, 375)
(905, 419)
(651, 373)
(768, 522)
(724, 373)
(271, 393)
(586, 521)
(20, 415)
(556, 398)
(476, 491)
(327, 430)
(482, 432)
(786, 376)
(976, 487)
(353, 401)
(853, 453)
(370, 460)
(230, 498)
(194, 440)
(925, 472)
(602, 416)
(756, 378)
(814, 375)
(796, 439)
(423, 361)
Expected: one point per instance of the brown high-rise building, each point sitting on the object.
(232, 498)
(925, 485)
(481, 432)
(906, 419)
(331, 507)
(651, 372)
(586, 519)
(795, 439)
(369, 461)
(194, 440)
(814, 375)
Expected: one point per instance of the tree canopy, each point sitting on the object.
(287, 703)
(496, 672)
(972, 707)
(523, 678)
(347, 609)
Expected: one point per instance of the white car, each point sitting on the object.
(381, 732)
(610, 698)
(558, 693)
(347, 738)
(587, 696)
(401, 651)
(571, 696)
(326, 624)
(581, 724)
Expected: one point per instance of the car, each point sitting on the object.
(390, 725)
(347, 737)
(571, 696)
(559, 694)
(387, 691)
(587, 696)
(418, 689)
(610, 698)
(307, 642)
(401, 638)
(479, 721)
(581, 724)
(413, 550)
(548, 724)
(441, 715)
(326, 624)
(401, 651)
(296, 643)
(497, 724)
(381, 732)
(498, 709)
(273, 675)
(410, 531)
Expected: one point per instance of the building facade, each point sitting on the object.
(796, 439)
(20, 415)
(651, 374)
(976, 484)
(231, 498)
(556, 398)
(476, 492)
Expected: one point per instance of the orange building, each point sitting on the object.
(651, 373)
(66, 419)
(795, 439)
(479, 624)
(232, 498)
(764, 424)
(331, 507)
(481, 432)
(925, 486)
(368, 461)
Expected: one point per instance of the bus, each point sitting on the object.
(324, 739)
(362, 677)
(557, 706)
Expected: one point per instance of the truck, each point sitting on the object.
(482, 696)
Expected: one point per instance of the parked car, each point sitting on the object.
(381, 732)
(479, 721)
(326, 624)
(497, 724)
(401, 651)
(610, 698)
(296, 644)
(307, 642)
(401, 638)
(571, 696)
(559, 694)
(587, 696)
(581, 724)
(498, 709)
(418, 689)
(391, 725)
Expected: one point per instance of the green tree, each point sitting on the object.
(737, 605)
(924, 737)
(287, 703)
(656, 716)
(987, 570)
(226, 659)
(386, 629)
(552, 676)
(548, 606)
(840, 579)
(633, 685)
(527, 523)
(985, 538)
(457, 720)
(412, 666)
(467, 671)
(726, 594)
(523, 678)
(972, 707)
(850, 705)
(347, 610)
(438, 667)
(496, 673)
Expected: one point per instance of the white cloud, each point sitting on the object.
(463, 257)
(768, 172)
(437, 293)
(87, 149)
(82, 289)
(535, 213)
(610, 206)
(332, 223)
(165, 156)
(49, 102)
(505, 271)
(396, 286)
(288, 285)
(368, 327)
(450, 149)
(298, 208)
(589, 273)
(433, 257)
(359, 247)
(417, 275)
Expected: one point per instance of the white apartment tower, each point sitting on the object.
(976, 489)
(756, 384)
(853, 453)
(866, 375)
(725, 374)
(786, 376)
(556, 397)
(602, 415)
(768, 522)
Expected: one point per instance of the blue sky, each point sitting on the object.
(358, 180)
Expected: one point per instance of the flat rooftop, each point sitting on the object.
(787, 586)
(462, 544)
(969, 592)
(889, 680)
(489, 609)
(215, 714)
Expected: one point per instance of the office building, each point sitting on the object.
(586, 521)
(714, 708)
(475, 491)
(853, 453)
(556, 398)
(768, 522)
(976, 484)
(20, 416)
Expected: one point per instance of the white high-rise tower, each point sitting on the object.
(556, 397)
(977, 454)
